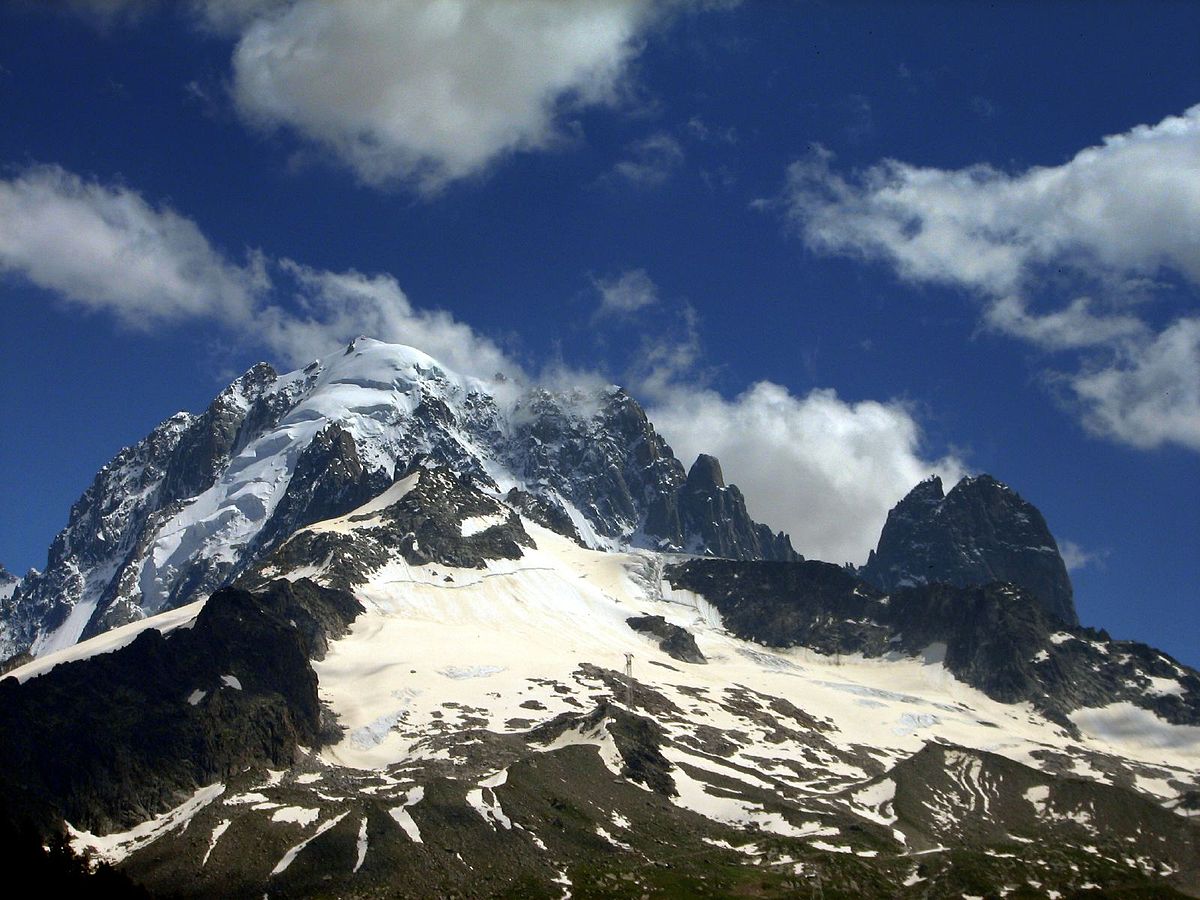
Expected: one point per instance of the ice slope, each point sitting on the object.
(499, 649)
(369, 391)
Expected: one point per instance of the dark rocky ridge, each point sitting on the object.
(617, 470)
(982, 531)
(545, 512)
(329, 481)
(716, 517)
(998, 637)
(423, 526)
(943, 777)
(677, 642)
(108, 741)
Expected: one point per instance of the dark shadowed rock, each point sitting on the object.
(715, 520)
(996, 637)
(329, 481)
(113, 739)
(982, 531)
(544, 511)
(673, 640)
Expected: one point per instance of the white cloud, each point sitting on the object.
(651, 161)
(329, 308)
(823, 470)
(428, 91)
(105, 248)
(1075, 557)
(1131, 204)
(1152, 396)
(1109, 221)
(625, 294)
(1073, 326)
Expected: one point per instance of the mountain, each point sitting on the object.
(8, 583)
(197, 501)
(498, 643)
(982, 531)
(425, 697)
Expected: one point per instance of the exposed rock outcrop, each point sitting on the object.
(982, 531)
(996, 637)
(677, 642)
(134, 730)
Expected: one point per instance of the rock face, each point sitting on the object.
(8, 582)
(982, 531)
(203, 499)
(430, 515)
(715, 515)
(167, 714)
(675, 641)
(90, 582)
(996, 637)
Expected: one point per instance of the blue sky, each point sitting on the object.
(840, 245)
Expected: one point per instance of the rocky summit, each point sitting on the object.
(373, 629)
(982, 531)
(201, 498)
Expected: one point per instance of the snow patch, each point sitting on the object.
(296, 815)
(112, 848)
(402, 816)
(290, 857)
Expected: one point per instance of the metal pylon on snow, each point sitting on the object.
(629, 680)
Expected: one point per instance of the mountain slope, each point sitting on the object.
(202, 498)
(487, 742)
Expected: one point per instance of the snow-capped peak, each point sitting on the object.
(202, 497)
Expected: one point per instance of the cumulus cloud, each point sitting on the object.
(421, 93)
(1151, 396)
(1131, 204)
(624, 294)
(824, 470)
(429, 91)
(328, 308)
(1121, 213)
(104, 247)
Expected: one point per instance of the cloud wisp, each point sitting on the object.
(625, 294)
(1100, 228)
(650, 162)
(104, 247)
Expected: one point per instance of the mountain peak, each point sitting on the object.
(982, 531)
(201, 499)
(705, 474)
